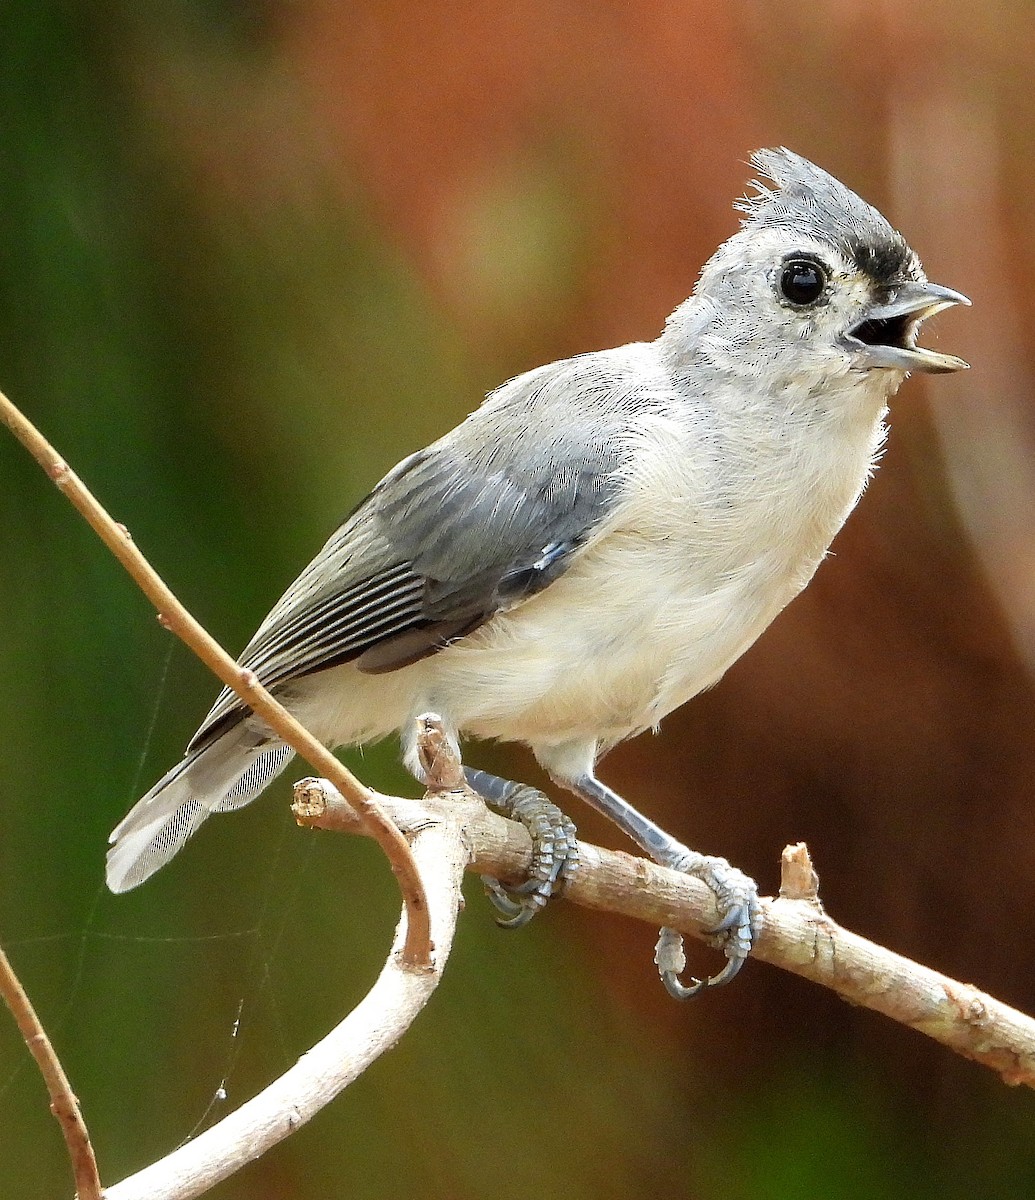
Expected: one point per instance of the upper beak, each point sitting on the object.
(886, 337)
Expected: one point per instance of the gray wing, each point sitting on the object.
(475, 524)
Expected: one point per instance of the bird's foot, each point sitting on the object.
(737, 898)
(555, 853)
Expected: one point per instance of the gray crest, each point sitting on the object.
(807, 198)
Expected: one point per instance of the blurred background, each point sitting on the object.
(252, 253)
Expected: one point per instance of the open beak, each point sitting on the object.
(886, 337)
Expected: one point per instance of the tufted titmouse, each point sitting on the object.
(601, 539)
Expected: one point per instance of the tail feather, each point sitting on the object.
(227, 774)
(261, 772)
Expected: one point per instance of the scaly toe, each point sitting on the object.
(737, 898)
(554, 848)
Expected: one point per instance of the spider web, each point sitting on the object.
(243, 956)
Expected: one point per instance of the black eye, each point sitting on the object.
(802, 280)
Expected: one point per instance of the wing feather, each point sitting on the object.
(477, 523)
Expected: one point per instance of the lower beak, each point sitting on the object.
(886, 337)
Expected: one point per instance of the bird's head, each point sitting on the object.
(816, 285)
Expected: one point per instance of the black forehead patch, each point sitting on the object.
(886, 261)
(808, 199)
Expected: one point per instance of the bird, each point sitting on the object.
(596, 543)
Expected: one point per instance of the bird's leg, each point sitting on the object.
(555, 854)
(736, 894)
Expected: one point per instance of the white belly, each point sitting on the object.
(606, 651)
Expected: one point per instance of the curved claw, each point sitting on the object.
(520, 921)
(499, 897)
(681, 991)
(728, 972)
(516, 913)
(672, 962)
(737, 897)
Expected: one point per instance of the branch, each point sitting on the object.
(63, 1102)
(796, 933)
(173, 615)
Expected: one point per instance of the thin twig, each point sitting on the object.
(796, 932)
(172, 614)
(63, 1102)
